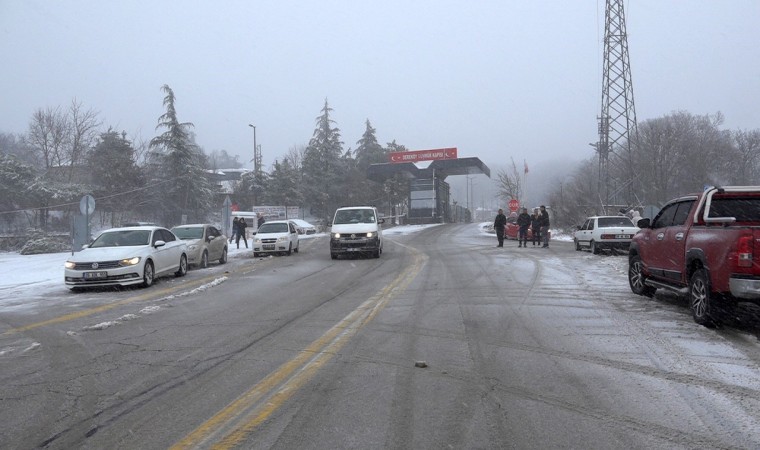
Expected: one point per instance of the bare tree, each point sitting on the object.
(509, 183)
(83, 129)
(295, 156)
(48, 132)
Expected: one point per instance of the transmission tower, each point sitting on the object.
(617, 121)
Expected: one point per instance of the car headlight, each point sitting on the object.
(129, 261)
(370, 234)
(192, 247)
(257, 241)
(69, 265)
(336, 235)
(282, 239)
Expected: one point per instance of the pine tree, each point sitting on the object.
(115, 175)
(186, 188)
(323, 166)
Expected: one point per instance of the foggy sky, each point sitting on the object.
(497, 79)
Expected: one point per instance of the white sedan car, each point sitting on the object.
(304, 227)
(204, 243)
(605, 232)
(126, 256)
(276, 236)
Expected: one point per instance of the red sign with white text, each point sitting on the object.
(424, 155)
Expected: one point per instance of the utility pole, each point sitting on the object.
(618, 133)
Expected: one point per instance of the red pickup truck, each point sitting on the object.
(705, 246)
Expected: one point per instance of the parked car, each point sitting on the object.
(304, 227)
(605, 232)
(277, 236)
(204, 243)
(127, 256)
(703, 246)
(356, 230)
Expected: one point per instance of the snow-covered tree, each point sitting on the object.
(284, 185)
(115, 175)
(179, 178)
(323, 167)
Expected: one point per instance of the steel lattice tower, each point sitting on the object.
(617, 121)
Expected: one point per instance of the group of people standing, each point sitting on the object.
(238, 229)
(538, 222)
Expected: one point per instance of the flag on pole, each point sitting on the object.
(526, 166)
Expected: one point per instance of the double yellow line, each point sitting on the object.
(234, 423)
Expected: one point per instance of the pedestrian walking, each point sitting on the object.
(523, 221)
(234, 229)
(241, 233)
(543, 215)
(498, 225)
(535, 226)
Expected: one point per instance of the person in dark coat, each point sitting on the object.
(234, 229)
(241, 233)
(535, 225)
(543, 216)
(498, 225)
(523, 221)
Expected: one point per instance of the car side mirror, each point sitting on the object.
(159, 243)
(380, 221)
(578, 227)
(643, 223)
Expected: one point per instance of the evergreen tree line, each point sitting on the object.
(65, 155)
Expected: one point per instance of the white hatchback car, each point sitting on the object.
(605, 232)
(276, 236)
(126, 256)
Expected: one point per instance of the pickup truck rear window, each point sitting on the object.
(744, 209)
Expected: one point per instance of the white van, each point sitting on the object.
(356, 230)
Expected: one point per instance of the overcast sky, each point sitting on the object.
(497, 79)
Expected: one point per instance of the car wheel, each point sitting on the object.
(577, 245)
(700, 297)
(182, 271)
(295, 250)
(594, 248)
(636, 278)
(290, 250)
(223, 259)
(333, 255)
(376, 253)
(204, 260)
(148, 273)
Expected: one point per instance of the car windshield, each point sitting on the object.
(607, 222)
(125, 238)
(354, 216)
(273, 228)
(188, 232)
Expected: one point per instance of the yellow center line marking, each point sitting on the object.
(234, 423)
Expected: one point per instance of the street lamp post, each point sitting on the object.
(255, 151)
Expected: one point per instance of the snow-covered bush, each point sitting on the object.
(39, 242)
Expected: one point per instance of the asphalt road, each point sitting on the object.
(444, 342)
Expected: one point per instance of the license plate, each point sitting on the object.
(622, 236)
(268, 247)
(95, 275)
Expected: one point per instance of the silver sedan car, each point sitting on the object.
(204, 243)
